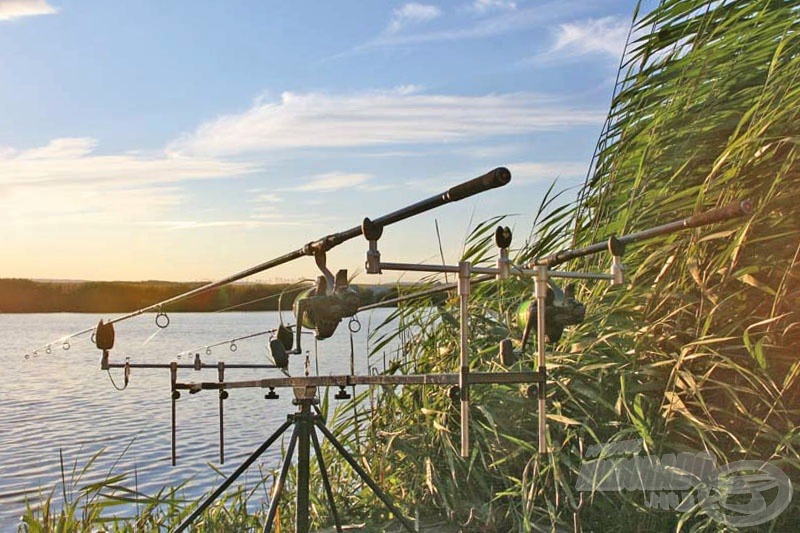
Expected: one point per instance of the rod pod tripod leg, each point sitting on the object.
(303, 437)
(229, 481)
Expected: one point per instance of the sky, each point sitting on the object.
(190, 140)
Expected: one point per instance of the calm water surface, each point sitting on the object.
(62, 401)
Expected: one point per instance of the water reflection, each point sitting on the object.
(63, 401)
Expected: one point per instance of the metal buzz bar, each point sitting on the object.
(104, 340)
(492, 179)
(541, 273)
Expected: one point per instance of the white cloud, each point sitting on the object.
(331, 181)
(65, 181)
(197, 224)
(256, 220)
(269, 198)
(379, 118)
(529, 172)
(284, 218)
(11, 9)
(72, 160)
(412, 13)
(63, 148)
(592, 36)
(487, 27)
(485, 6)
(65, 204)
(503, 19)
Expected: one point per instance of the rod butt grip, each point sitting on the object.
(492, 179)
(732, 210)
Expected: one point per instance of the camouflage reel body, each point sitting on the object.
(561, 310)
(321, 309)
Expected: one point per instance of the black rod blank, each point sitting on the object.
(495, 178)
(733, 210)
(492, 179)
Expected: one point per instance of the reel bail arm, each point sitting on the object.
(323, 307)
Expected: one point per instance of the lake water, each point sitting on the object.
(62, 401)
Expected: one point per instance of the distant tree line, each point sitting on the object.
(29, 296)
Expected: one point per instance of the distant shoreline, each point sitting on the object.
(32, 296)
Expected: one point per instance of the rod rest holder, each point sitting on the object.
(617, 249)
(372, 232)
(502, 238)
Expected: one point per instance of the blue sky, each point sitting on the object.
(188, 140)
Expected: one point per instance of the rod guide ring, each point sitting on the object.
(162, 320)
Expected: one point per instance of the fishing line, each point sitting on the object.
(280, 296)
(151, 337)
(232, 342)
(498, 177)
(127, 375)
(441, 250)
(422, 294)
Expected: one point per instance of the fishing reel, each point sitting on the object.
(322, 310)
(561, 310)
(322, 307)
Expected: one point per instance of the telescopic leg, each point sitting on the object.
(364, 476)
(304, 427)
(325, 481)
(238, 472)
(287, 462)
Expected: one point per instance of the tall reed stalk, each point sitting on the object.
(698, 354)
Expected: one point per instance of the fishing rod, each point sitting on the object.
(733, 210)
(492, 179)
(230, 342)
(163, 321)
(720, 214)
